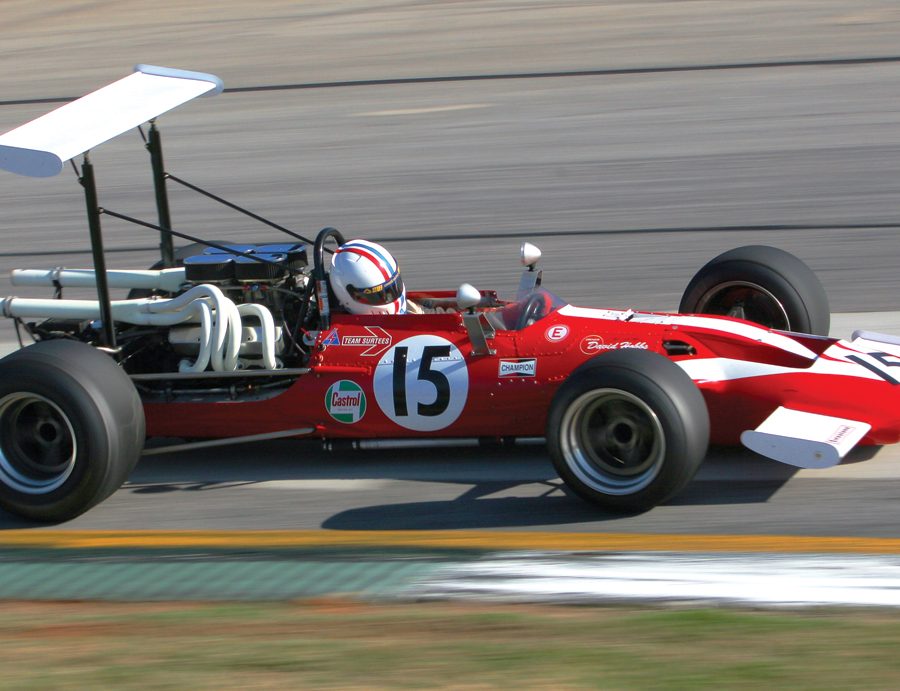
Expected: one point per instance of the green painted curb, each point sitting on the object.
(167, 575)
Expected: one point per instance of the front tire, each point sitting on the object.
(765, 285)
(628, 430)
(71, 429)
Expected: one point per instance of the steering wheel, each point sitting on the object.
(534, 309)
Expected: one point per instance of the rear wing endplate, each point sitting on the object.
(41, 147)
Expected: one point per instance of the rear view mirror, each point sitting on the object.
(529, 255)
(467, 296)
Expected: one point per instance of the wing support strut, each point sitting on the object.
(154, 146)
(89, 184)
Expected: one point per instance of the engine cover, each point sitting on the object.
(269, 263)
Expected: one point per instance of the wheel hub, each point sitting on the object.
(745, 300)
(613, 440)
(37, 444)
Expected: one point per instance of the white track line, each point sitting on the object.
(747, 579)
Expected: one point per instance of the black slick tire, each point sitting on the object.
(71, 429)
(765, 285)
(628, 430)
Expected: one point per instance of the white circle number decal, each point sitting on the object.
(422, 383)
(556, 333)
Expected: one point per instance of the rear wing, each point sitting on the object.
(41, 147)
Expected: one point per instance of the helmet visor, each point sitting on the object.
(382, 294)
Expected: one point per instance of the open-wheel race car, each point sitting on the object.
(224, 343)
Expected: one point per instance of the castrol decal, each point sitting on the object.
(345, 401)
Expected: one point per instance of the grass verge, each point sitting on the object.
(348, 644)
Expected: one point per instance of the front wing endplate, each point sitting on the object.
(805, 440)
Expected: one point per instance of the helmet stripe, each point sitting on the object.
(363, 253)
(389, 262)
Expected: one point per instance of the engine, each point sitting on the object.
(267, 286)
(229, 308)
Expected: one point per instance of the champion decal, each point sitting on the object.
(517, 368)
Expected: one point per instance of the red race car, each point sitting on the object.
(222, 343)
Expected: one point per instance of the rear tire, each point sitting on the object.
(71, 429)
(628, 430)
(765, 285)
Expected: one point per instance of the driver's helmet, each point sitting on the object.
(366, 279)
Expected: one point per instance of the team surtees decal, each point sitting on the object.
(518, 368)
(345, 401)
(375, 343)
(422, 383)
(556, 333)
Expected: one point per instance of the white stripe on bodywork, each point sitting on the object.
(726, 326)
(727, 369)
(834, 360)
(733, 328)
(591, 313)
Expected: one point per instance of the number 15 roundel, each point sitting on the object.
(422, 383)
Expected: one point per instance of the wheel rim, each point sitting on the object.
(613, 441)
(745, 300)
(37, 444)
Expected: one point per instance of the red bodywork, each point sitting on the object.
(401, 376)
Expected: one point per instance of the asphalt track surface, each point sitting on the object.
(630, 142)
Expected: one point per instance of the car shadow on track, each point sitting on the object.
(476, 508)
(11, 522)
(407, 489)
